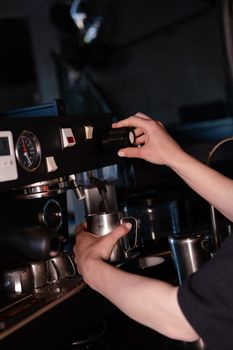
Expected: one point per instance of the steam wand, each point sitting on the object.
(101, 188)
(78, 190)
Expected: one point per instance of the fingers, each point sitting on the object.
(134, 121)
(141, 115)
(80, 228)
(140, 140)
(139, 121)
(130, 152)
(138, 132)
(112, 237)
(161, 124)
(118, 232)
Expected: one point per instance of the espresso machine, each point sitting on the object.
(41, 159)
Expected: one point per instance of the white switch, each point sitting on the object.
(88, 132)
(67, 136)
(51, 164)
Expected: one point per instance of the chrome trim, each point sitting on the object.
(43, 189)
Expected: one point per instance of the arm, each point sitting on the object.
(159, 148)
(148, 301)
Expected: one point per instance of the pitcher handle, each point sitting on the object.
(129, 219)
(71, 259)
(204, 244)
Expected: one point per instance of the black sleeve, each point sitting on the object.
(206, 299)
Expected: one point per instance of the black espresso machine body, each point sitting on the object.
(39, 157)
(59, 146)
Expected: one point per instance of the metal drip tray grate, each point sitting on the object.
(17, 313)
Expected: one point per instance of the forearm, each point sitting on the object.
(158, 147)
(208, 183)
(148, 301)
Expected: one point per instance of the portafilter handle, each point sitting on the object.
(32, 242)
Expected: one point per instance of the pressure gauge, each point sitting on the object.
(28, 151)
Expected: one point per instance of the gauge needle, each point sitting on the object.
(26, 156)
(25, 152)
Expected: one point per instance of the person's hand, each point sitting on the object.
(155, 144)
(89, 248)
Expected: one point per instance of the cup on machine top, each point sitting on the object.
(60, 267)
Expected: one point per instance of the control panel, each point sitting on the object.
(43, 148)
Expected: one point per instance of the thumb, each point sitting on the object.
(130, 152)
(119, 232)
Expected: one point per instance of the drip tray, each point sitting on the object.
(18, 312)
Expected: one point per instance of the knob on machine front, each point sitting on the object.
(118, 138)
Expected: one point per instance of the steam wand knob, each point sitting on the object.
(119, 138)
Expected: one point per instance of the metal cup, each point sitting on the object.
(189, 252)
(60, 267)
(18, 281)
(103, 223)
(40, 273)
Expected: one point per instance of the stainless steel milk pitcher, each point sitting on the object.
(189, 252)
(101, 224)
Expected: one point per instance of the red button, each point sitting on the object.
(70, 139)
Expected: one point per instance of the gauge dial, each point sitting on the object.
(28, 151)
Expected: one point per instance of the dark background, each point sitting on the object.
(165, 58)
(171, 59)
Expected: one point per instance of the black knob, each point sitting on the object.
(118, 138)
